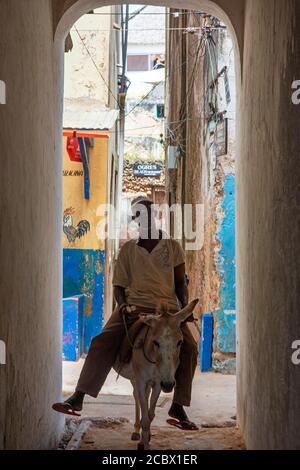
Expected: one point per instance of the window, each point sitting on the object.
(137, 63)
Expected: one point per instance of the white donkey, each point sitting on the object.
(152, 368)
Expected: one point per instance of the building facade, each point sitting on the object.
(200, 132)
(92, 177)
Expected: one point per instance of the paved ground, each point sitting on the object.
(213, 409)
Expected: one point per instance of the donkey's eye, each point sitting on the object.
(179, 343)
(156, 344)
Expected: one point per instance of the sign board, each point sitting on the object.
(160, 111)
(227, 86)
(146, 169)
(222, 137)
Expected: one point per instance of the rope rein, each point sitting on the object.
(144, 341)
(144, 352)
(126, 330)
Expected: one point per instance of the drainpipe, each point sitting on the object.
(183, 115)
(122, 102)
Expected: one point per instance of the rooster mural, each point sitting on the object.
(74, 232)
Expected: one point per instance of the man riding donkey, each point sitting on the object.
(148, 270)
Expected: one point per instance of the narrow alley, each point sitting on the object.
(149, 248)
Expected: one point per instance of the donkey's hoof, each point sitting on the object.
(135, 436)
(140, 446)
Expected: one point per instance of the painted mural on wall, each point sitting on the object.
(83, 253)
(70, 230)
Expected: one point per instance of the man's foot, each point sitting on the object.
(71, 405)
(181, 419)
(76, 400)
(178, 412)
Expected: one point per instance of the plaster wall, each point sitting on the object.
(82, 79)
(268, 228)
(84, 258)
(87, 209)
(30, 241)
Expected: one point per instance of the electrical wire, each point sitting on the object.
(200, 47)
(154, 87)
(97, 68)
(167, 77)
(137, 12)
(166, 124)
(154, 13)
(213, 84)
(200, 51)
(143, 99)
(202, 28)
(187, 30)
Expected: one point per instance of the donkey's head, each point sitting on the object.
(165, 339)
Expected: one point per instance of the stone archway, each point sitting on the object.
(72, 10)
(267, 47)
(268, 217)
(231, 12)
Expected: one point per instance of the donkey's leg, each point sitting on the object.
(137, 425)
(148, 391)
(153, 401)
(145, 421)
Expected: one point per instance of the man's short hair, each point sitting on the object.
(141, 200)
(140, 203)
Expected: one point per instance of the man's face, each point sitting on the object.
(144, 215)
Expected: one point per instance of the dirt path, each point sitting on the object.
(118, 438)
(213, 409)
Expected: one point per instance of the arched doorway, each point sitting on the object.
(78, 9)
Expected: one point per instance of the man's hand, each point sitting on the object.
(120, 298)
(181, 289)
(123, 309)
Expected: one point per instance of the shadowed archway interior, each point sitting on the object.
(267, 39)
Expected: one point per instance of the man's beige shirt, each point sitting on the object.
(148, 278)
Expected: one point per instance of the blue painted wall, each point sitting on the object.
(206, 342)
(73, 328)
(226, 267)
(83, 273)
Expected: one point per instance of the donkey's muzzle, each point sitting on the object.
(167, 387)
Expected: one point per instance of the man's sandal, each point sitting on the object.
(65, 408)
(184, 425)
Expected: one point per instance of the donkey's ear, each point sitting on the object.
(183, 314)
(162, 308)
(150, 320)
